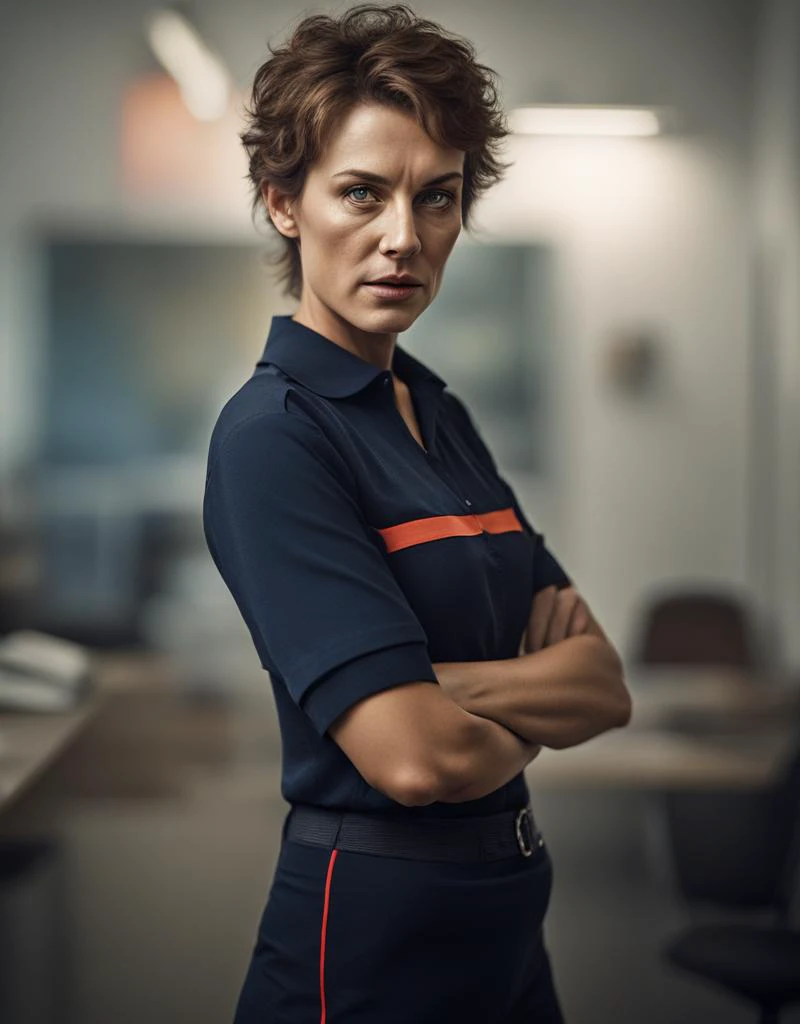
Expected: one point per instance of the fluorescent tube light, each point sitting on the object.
(201, 76)
(589, 119)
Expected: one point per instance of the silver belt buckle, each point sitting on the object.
(524, 845)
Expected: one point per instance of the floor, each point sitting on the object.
(160, 830)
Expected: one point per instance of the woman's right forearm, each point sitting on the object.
(490, 755)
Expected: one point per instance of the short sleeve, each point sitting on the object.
(284, 527)
(547, 570)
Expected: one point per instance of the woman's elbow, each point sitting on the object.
(624, 709)
(610, 708)
(624, 702)
(619, 703)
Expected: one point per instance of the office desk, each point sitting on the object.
(689, 729)
(31, 743)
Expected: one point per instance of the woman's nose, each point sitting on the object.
(400, 232)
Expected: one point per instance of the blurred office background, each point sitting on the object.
(625, 322)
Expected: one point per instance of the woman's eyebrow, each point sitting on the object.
(379, 180)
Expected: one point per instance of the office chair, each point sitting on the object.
(696, 628)
(738, 853)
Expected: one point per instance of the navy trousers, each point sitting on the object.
(354, 938)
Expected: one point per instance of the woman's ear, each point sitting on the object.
(280, 208)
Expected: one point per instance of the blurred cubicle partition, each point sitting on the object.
(145, 341)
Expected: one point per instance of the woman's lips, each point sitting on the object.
(392, 291)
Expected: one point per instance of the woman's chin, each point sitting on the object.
(388, 321)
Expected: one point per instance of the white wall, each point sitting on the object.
(776, 520)
(652, 232)
(653, 488)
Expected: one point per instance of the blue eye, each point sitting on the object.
(448, 197)
(442, 200)
(357, 188)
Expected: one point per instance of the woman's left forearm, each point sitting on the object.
(559, 696)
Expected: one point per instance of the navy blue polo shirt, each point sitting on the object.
(356, 556)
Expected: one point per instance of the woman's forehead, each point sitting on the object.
(385, 140)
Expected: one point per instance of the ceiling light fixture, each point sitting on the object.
(588, 119)
(201, 76)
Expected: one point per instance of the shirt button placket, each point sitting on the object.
(468, 506)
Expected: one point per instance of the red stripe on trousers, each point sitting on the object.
(324, 931)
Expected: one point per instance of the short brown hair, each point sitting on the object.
(384, 54)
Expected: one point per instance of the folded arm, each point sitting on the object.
(566, 687)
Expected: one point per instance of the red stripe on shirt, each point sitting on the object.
(421, 531)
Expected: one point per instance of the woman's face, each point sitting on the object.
(383, 199)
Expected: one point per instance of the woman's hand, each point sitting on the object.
(555, 616)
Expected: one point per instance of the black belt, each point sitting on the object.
(489, 837)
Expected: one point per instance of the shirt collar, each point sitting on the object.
(329, 370)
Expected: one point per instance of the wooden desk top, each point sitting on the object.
(689, 729)
(30, 742)
(656, 759)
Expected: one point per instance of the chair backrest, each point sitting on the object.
(738, 850)
(697, 629)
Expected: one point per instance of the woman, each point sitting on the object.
(422, 643)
